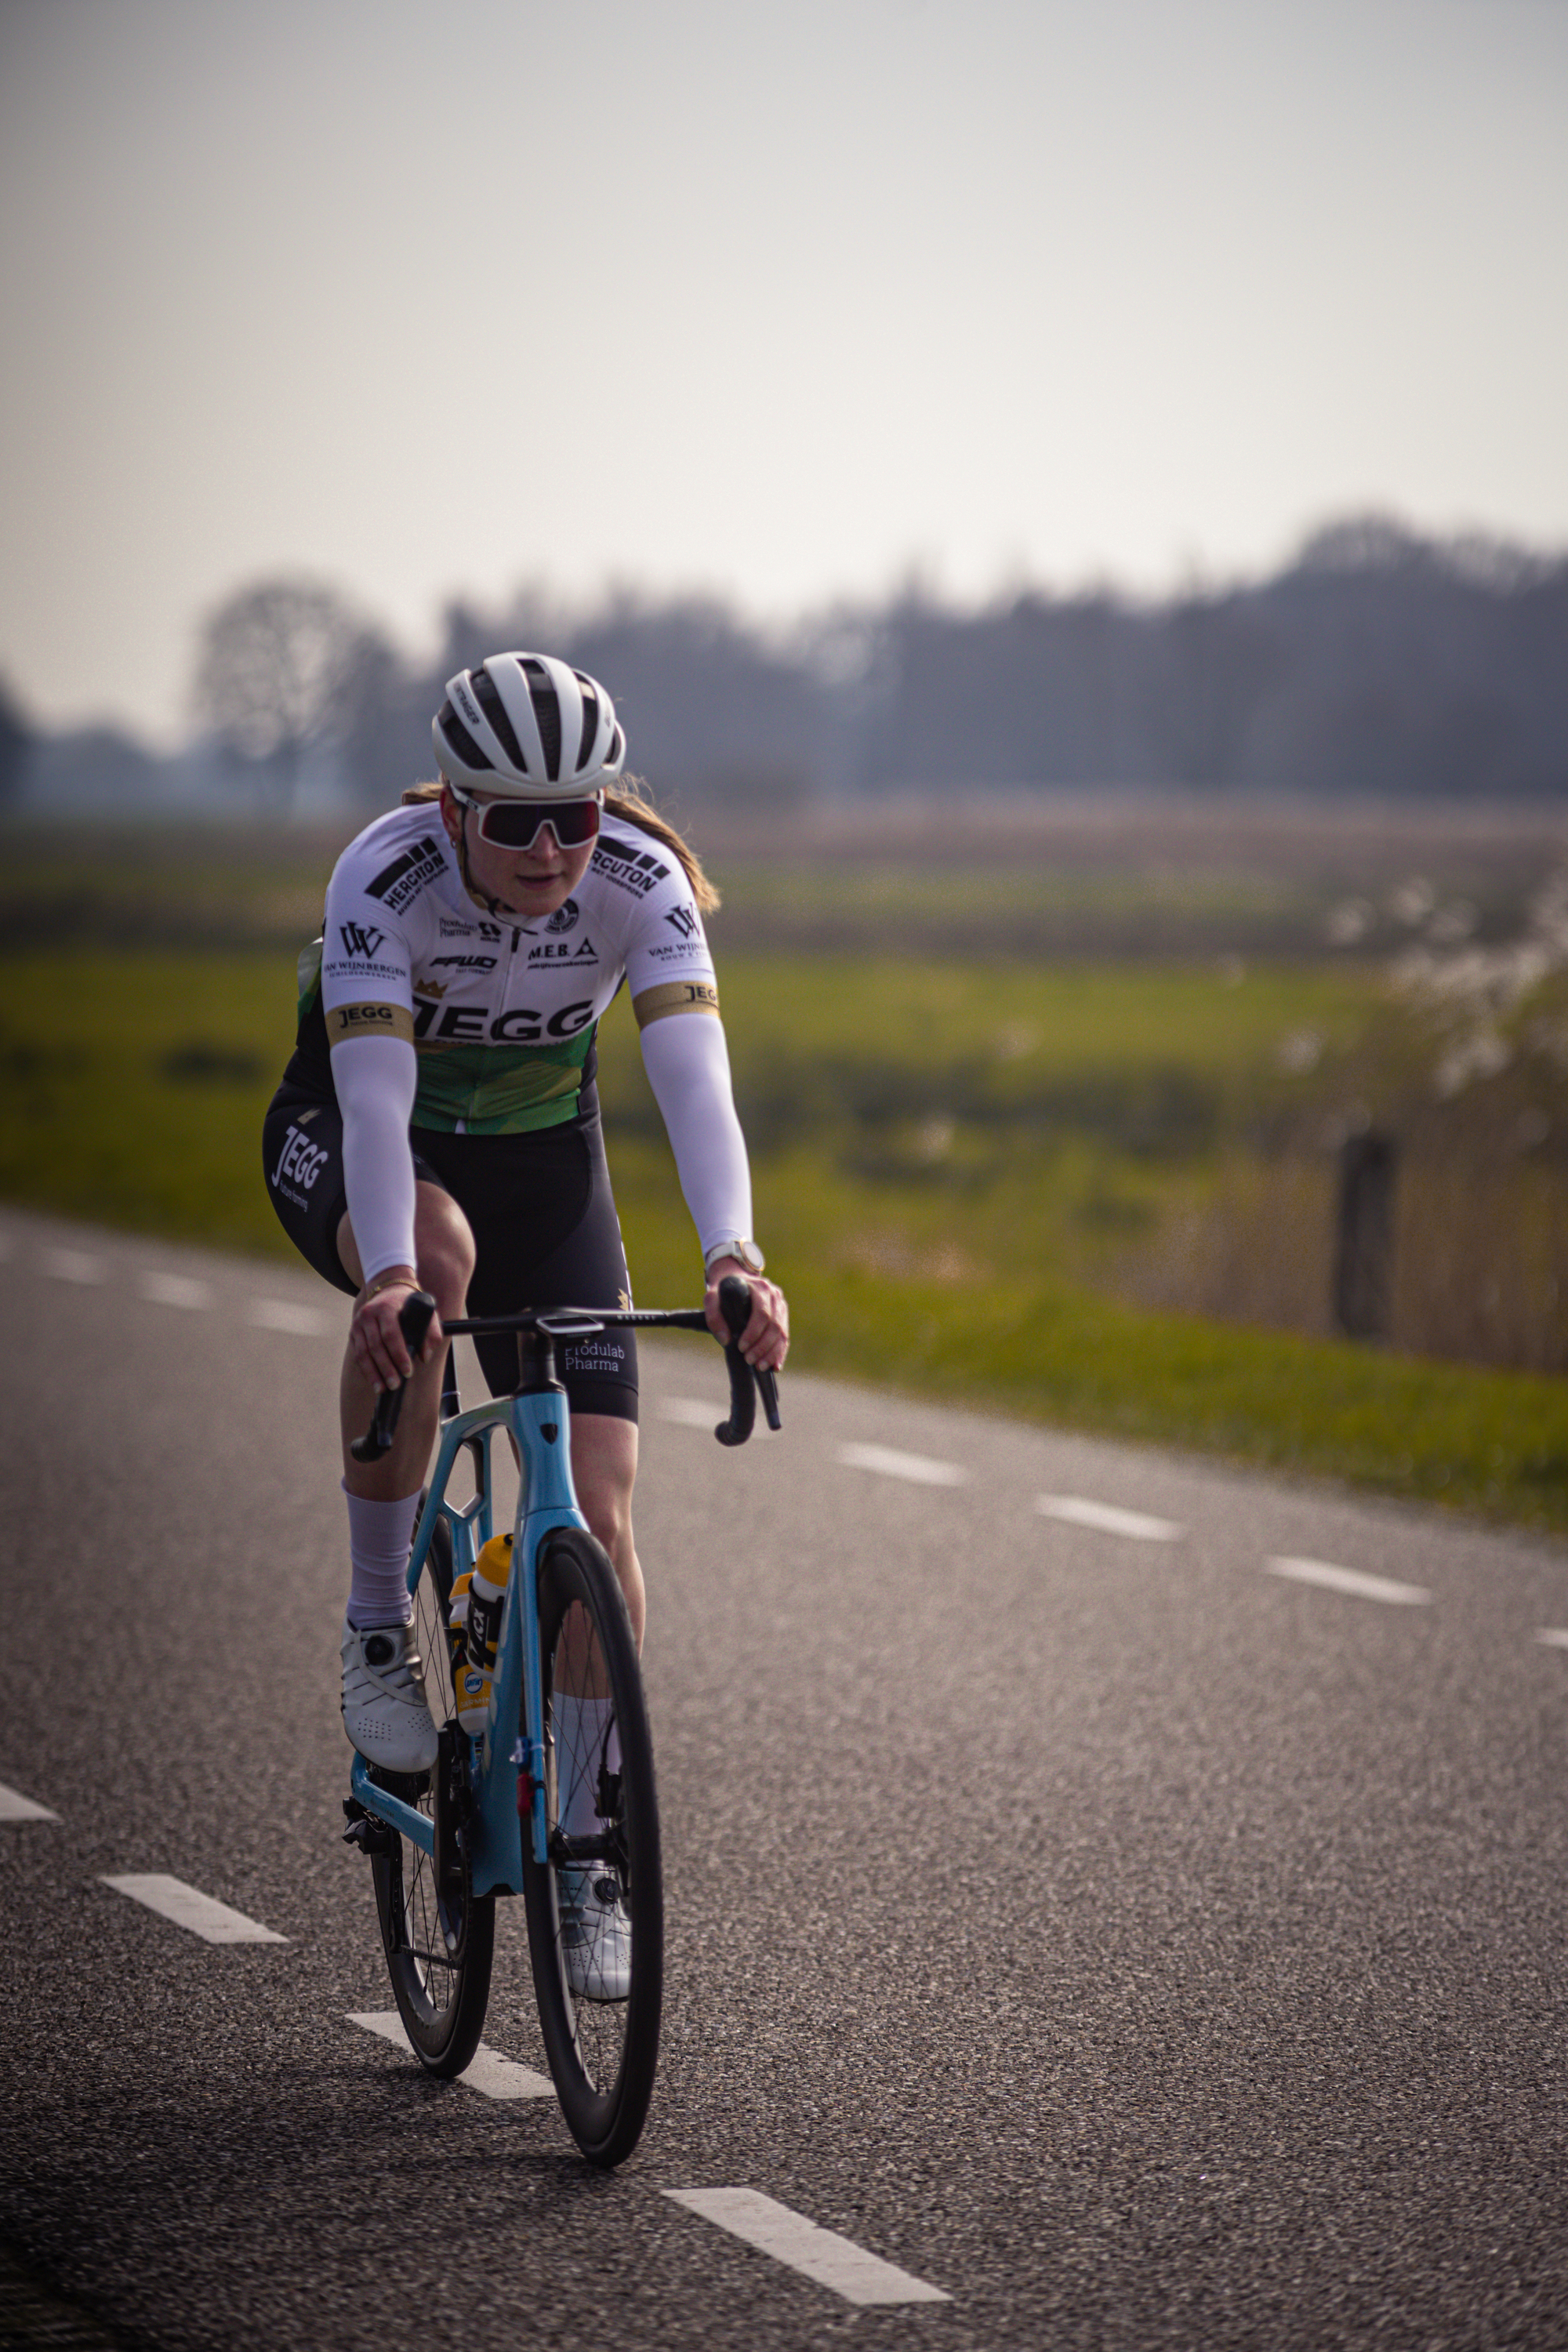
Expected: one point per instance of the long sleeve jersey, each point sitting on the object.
(428, 1011)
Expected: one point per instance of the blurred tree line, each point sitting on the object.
(1376, 663)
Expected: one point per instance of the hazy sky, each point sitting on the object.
(774, 300)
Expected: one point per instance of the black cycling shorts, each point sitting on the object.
(544, 1221)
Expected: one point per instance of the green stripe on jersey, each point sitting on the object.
(499, 1089)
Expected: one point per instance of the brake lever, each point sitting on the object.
(413, 1321)
(747, 1382)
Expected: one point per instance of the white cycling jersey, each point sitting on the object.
(497, 1017)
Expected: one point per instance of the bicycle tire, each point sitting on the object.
(438, 1936)
(601, 2049)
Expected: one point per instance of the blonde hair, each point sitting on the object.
(630, 800)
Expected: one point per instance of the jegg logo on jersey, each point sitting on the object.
(519, 1024)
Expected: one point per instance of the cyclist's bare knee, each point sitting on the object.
(443, 1248)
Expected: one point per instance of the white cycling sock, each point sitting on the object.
(380, 1534)
(579, 1750)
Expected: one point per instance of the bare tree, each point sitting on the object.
(277, 674)
(16, 745)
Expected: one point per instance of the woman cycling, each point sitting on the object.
(438, 1127)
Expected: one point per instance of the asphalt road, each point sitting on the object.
(1139, 1944)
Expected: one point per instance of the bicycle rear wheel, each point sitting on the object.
(438, 1936)
(595, 1909)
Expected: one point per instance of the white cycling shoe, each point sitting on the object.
(595, 1933)
(385, 1713)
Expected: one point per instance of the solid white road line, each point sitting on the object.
(15, 1807)
(284, 1315)
(1109, 1518)
(821, 2254)
(691, 1412)
(487, 2070)
(1554, 1636)
(73, 1266)
(173, 1290)
(1350, 1579)
(214, 1922)
(918, 1468)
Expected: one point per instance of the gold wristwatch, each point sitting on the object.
(745, 1253)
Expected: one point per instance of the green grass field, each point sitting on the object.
(950, 1164)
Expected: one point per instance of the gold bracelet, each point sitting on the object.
(387, 1282)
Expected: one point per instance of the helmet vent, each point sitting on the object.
(590, 721)
(547, 716)
(461, 742)
(486, 694)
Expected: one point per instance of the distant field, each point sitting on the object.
(1026, 1084)
(1032, 876)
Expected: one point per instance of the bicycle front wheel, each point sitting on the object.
(596, 1908)
(438, 1936)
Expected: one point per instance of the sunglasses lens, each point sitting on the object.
(575, 821)
(515, 825)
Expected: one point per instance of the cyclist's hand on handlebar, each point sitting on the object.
(379, 1347)
(765, 1339)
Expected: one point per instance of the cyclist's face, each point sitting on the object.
(531, 881)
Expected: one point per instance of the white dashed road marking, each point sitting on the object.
(1109, 1518)
(173, 1290)
(888, 1464)
(213, 1921)
(74, 1265)
(691, 1412)
(487, 2071)
(283, 1315)
(15, 1807)
(1350, 1579)
(821, 2254)
(1554, 1636)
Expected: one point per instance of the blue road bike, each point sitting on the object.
(504, 1811)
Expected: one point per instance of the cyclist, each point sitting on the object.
(438, 1127)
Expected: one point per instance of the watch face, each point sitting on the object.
(745, 1253)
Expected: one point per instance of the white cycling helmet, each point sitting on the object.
(528, 727)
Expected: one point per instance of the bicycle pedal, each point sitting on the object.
(371, 1837)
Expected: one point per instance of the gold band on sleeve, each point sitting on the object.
(675, 996)
(371, 1020)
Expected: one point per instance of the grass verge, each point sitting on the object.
(1464, 1436)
